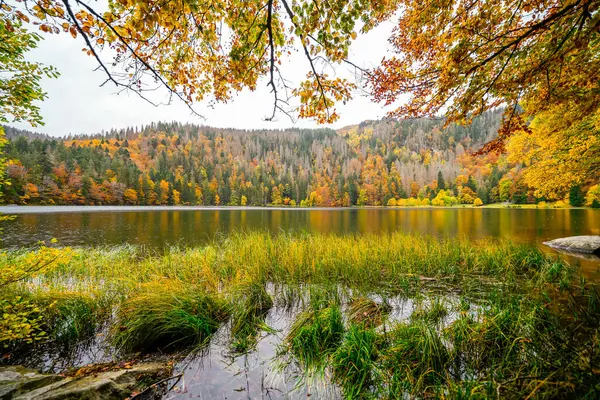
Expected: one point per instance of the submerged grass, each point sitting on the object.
(364, 311)
(250, 303)
(523, 326)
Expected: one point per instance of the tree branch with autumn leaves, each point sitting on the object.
(211, 51)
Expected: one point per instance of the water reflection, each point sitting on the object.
(162, 228)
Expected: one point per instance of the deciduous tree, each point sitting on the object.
(212, 50)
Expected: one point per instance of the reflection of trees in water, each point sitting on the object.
(162, 228)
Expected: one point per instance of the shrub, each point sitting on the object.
(21, 322)
(560, 204)
(593, 194)
(477, 202)
(412, 202)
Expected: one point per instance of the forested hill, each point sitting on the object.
(374, 163)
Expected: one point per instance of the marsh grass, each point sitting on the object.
(523, 326)
(71, 317)
(365, 311)
(414, 359)
(167, 316)
(435, 310)
(354, 361)
(314, 336)
(250, 305)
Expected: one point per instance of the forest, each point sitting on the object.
(387, 162)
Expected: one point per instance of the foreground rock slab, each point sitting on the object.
(20, 383)
(577, 244)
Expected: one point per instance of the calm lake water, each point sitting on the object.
(160, 227)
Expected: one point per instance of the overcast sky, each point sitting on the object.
(76, 103)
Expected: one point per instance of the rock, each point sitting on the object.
(577, 244)
(15, 380)
(22, 384)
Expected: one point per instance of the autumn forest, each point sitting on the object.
(388, 162)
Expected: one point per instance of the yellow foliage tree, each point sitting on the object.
(593, 194)
(130, 196)
(236, 44)
(176, 197)
(562, 149)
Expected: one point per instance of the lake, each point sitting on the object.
(269, 369)
(161, 227)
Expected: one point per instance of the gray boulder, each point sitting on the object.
(23, 384)
(577, 244)
(15, 380)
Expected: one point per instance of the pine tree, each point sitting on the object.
(441, 182)
(576, 198)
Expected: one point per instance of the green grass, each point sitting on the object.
(434, 311)
(354, 361)
(314, 336)
(250, 304)
(164, 316)
(414, 359)
(521, 325)
(365, 261)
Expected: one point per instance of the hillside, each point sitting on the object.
(172, 163)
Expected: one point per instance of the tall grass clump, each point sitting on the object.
(168, 315)
(314, 336)
(414, 359)
(354, 361)
(71, 317)
(434, 311)
(365, 311)
(250, 305)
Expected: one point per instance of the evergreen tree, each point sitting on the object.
(471, 184)
(482, 193)
(441, 182)
(576, 198)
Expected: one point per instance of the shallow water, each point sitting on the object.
(161, 227)
(266, 371)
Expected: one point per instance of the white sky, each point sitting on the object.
(76, 104)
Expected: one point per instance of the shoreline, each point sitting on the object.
(45, 209)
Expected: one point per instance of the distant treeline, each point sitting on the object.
(374, 163)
